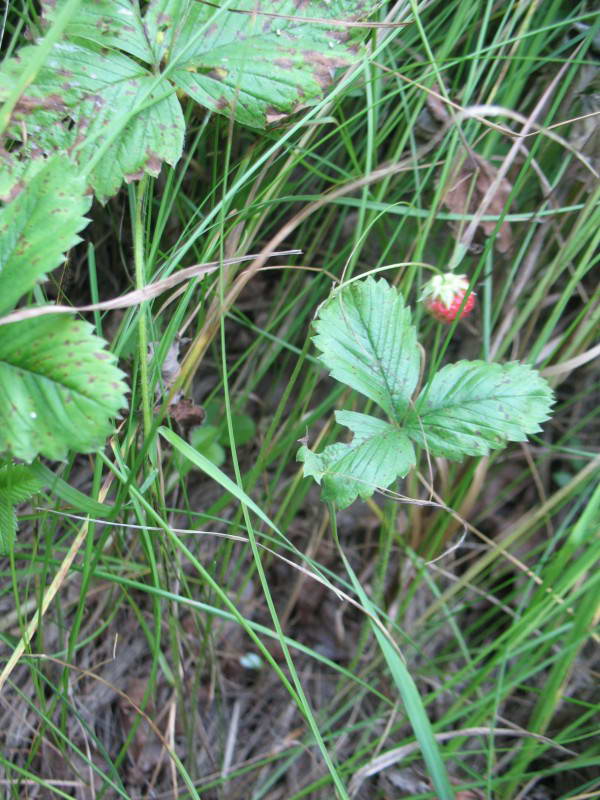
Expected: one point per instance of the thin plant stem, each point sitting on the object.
(140, 282)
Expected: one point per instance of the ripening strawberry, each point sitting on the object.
(444, 294)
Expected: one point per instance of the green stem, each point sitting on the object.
(140, 282)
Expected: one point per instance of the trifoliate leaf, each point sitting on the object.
(469, 408)
(378, 454)
(367, 341)
(472, 407)
(59, 388)
(112, 82)
(38, 226)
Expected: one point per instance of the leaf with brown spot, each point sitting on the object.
(112, 84)
(29, 245)
(263, 60)
(109, 87)
(107, 23)
(52, 399)
(108, 99)
(468, 184)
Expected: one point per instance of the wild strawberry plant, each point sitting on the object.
(367, 341)
(98, 99)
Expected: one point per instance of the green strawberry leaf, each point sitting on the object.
(16, 174)
(367, 340)
(263, 60)
(84, 98)
(18, 482)
(59, 388)
(8, 525)
(472, 407)
(111, 85)
(377, 455)
(110, 95)
(38, 226)
(116, 96)
(115, 24)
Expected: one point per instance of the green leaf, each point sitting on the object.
(378, 454)
(205, 439)
(244, 429)
(38, 226)
(16, 174)
(108, 24)
(110, 94)
(262, 60)
(472, 407)
(367, 341)
(85, 98)
(59, 388)
(18, 482)
(112, 82)
(8, 525)
(469, 408)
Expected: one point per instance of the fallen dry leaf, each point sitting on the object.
(470, 181)
(186, 413)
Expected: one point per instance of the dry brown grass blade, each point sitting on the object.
(481, 111)
(400, 753)
(564, 368)
(217, 309)
(493, 189)
(138, 296)
(51, 592)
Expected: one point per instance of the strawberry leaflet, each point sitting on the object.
(472, 407)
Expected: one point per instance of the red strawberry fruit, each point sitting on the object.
(443, 296)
